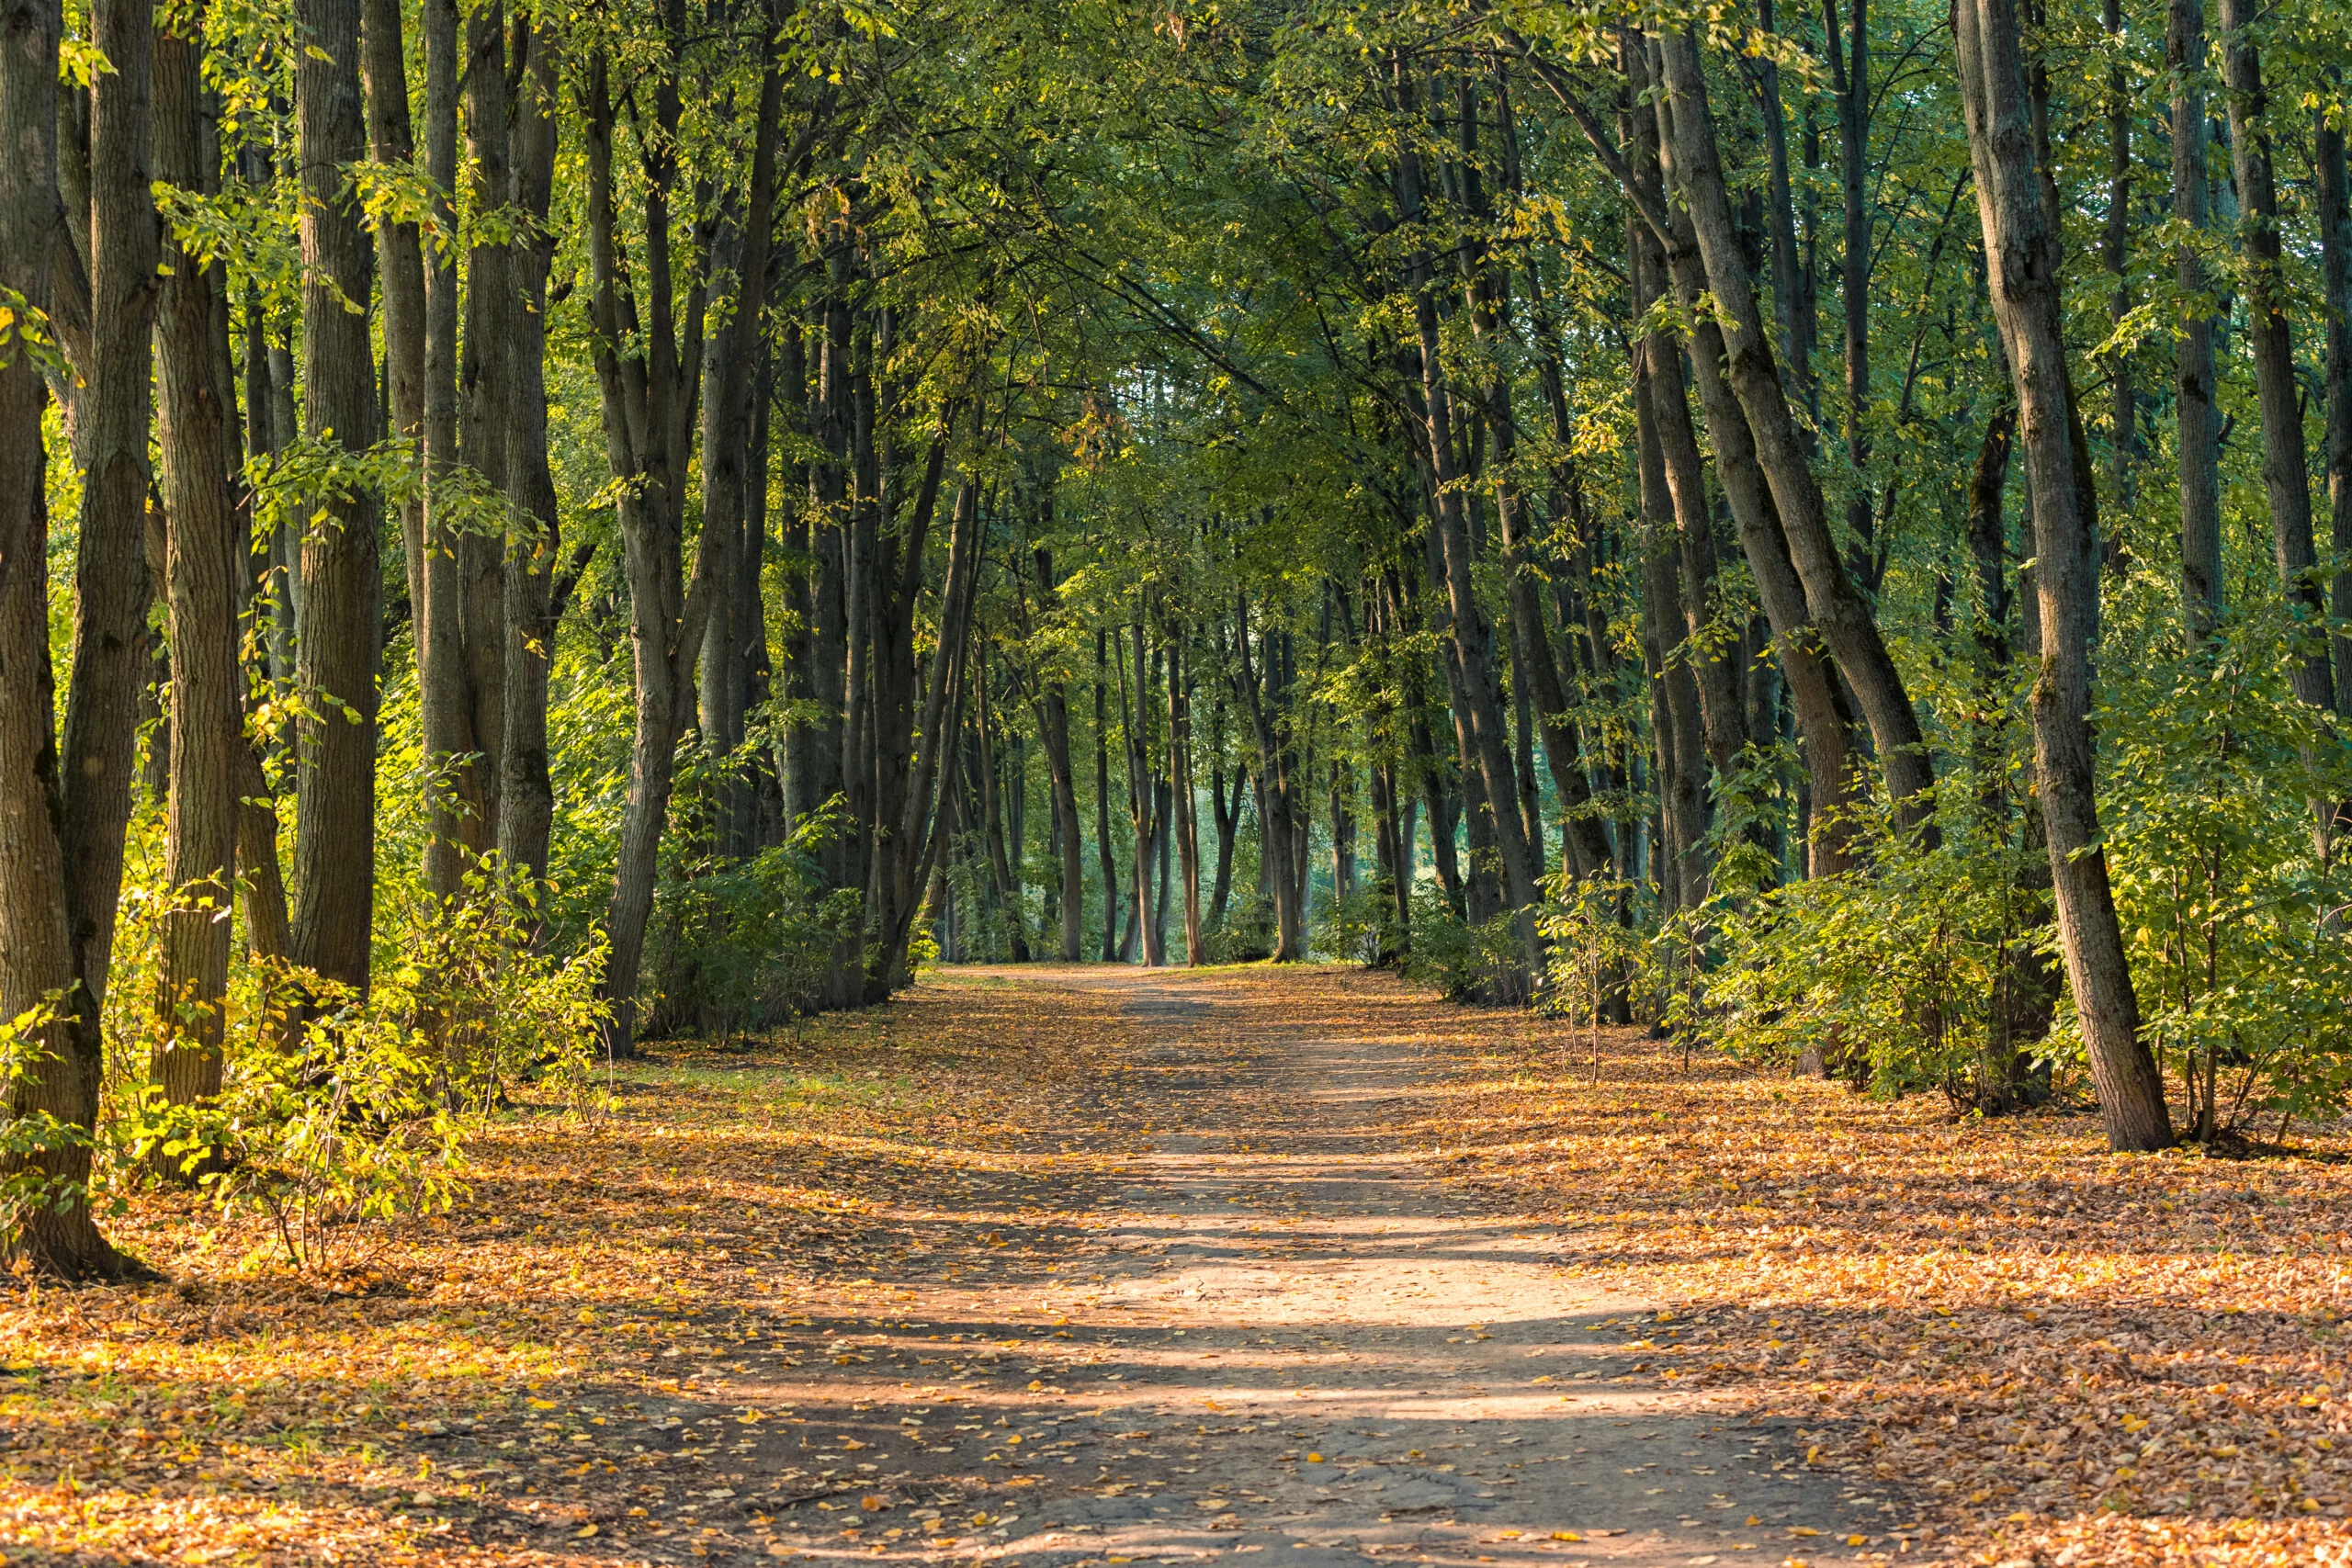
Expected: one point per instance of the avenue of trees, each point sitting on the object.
(1827, 532)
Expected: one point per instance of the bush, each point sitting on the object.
(1361, 928)
(748, 943)
(1483, 964)
(2233, 911)
(336, 1106)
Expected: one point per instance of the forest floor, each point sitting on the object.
(1066, 1268)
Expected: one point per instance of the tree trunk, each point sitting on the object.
(735, 350)
(2021, 250)
(1229, 827)
(205, 558)
(527, 794)
(1179, 770)
(444, 699)
(648, 402)
(1275, 851)
(486, 413)
(2118, 248)
(36, 953)
(2193, 371)
(2336, 303)
(2286, 474)
(1849, 79)
(1842, 614)
(1053, 724)
(1675, 727)
(1103, 802)
(391, 143)
(1001, 866)
(335, 674)
(1142, 811)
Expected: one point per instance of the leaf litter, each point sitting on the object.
(2051, 1355)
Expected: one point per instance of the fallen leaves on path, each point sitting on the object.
(2072, 1357)
(534, 1376)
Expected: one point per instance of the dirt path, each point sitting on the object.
(1262, 1326)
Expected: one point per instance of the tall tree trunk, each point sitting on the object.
(487, 417)
(2198, 440)
(1836, 608)
(2021, 252)
(1180, 774)
(735, 351)
(445, 701)
(37, 950)
(335, 675)
(1228, 827)
(1850, 75)
(1053, 726)
(1142, 810)
(391, 143)
(1675, 729)
(1791, 299)
(2118, 249)
(1102, 849)
(1001, 866)
(2286, 474)
(526, 793)
(1276, 853)
(2336, 303)
(205, 558)
(111, 589)
(647, 402)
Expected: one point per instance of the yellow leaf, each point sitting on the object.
(1856, 1540)
(543, 1404)
(1314, 1459)
(1565, 1535)
(1754, 1521)
(1802, 1529)
(583, 1532)
(871, 1505)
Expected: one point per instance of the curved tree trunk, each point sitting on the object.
(2021, 250)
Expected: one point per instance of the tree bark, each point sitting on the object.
(37, 954)
(647, 378)
(1840, 613)
(2021, 252)
(2198, 439)
(205, 557)
(2336, 303)
(2286, 474)
(1850, 75)
(488, 419)
(2118, 250)
(335, 674)
(391, 143)
(444, 699)
(527, 794)
(1179, 777)
(735, 349)
(1053, 724)
(1276, 851)
(1103, 802)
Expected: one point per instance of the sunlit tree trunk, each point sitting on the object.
(205, 558)
(334, 812)
(2021, 250)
